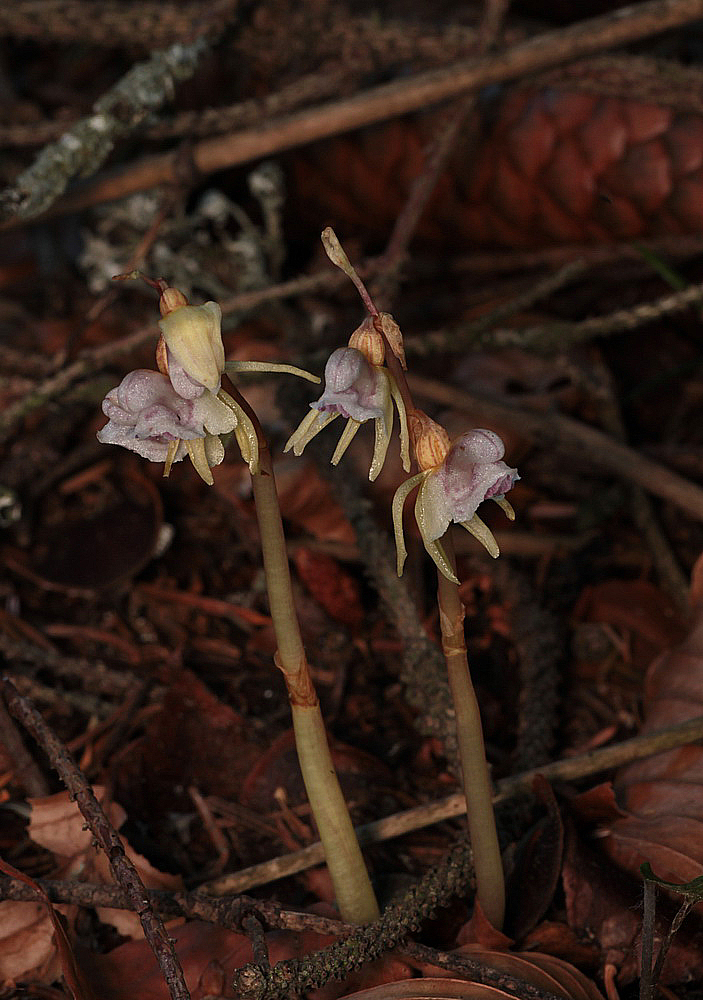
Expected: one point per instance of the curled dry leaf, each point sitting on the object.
(663, 795)
(27, 949)
(34, 944)
(57, 824)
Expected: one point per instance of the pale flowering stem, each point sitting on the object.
(355, 895)
(488, 866)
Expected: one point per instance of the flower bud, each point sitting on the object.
(170, 300)
(430, 440)
(192, 334)
(369, 341)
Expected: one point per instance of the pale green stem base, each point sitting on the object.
(355, 895)
(488, 865)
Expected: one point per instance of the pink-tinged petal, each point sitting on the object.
(152, 450)
(479, 445)
(183, 384)
(353, 387)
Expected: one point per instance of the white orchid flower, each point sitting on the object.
(471, 471)
(360, 391)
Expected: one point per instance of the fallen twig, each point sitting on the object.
(626, 24)
(123, 870)
(569, 769)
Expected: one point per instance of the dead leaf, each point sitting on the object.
(535, 877)
(662, 796)
(24, 948)
(331, 585)
(27, 949)
(57, 824)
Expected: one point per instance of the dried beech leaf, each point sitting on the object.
(57, 824)
(430, 989)
(25, 951)
(663, 795)
(544, 971)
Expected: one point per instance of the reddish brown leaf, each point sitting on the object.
(27, 951)
(663, 795)
(57, 824)
(331, 585)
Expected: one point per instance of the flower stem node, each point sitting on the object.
(470, 471)
(360, 391)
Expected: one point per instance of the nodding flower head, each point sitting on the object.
(181, 409)
(359, 391)
(470, 472)
(147, 416)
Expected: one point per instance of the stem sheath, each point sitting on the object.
(355, 896)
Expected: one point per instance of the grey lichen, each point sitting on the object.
(84, 148)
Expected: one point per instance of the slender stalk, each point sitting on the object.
(355, 896)
(488, 866)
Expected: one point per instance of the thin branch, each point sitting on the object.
(568, 435)
(570, 769)
(624, 25)
(482, 329)
(124, 872)
(84, 148)
(550, 336)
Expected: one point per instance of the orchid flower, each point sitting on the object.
(470, 471)
(182, 409)
(359, 388)
(148, 416)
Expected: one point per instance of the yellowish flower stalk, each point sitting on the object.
(355, 896)
(488, 865)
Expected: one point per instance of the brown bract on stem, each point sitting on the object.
(355, 896)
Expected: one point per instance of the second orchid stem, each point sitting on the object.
(488, 865)
(355, 895)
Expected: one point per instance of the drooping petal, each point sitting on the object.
(244, 432)
(483, 533)
(197, 455)
(425, 515)
(403, 419)
(214, 450)
(436, 507)
(311, 424)
(347, 436)
(505, 506)
(401, 495)
(382, 429)
(170, 457)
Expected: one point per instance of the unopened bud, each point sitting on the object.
(171, 299)
(430, 440)
(369, 341)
